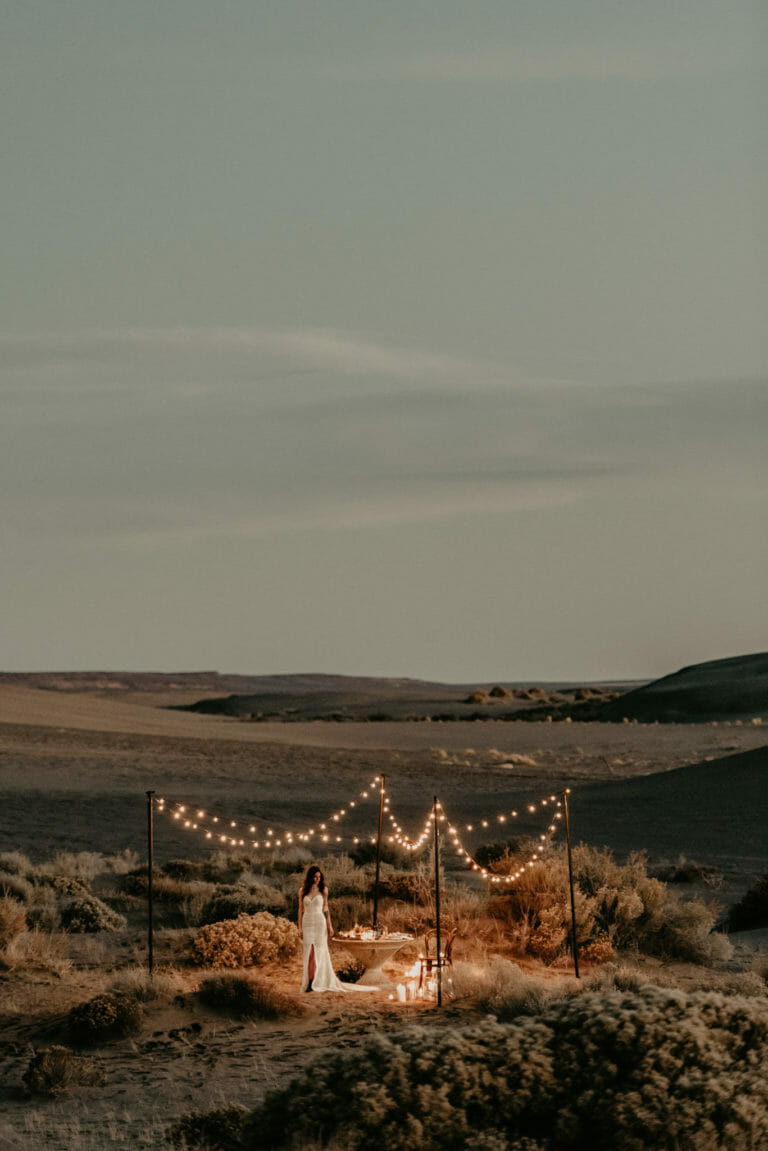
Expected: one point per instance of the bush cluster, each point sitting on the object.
(246, 941)
(53, 1071)
(652, 1068)
(65, 886)
(618, 907)
(107, 1016)
(89, 915)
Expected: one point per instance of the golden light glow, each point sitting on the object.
(397, 835)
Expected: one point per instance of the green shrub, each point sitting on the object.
(221, 1130)
(247, 940)
(107, 1016)
(13, 921)
(89, 915)
(65, 885)
(243, 996)
(751, 911)
(53, 1071)
(654, 1068)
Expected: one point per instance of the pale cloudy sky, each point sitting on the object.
(417, 339)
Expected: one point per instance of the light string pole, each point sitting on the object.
(378, 855)
(574, 941)
(437, 903)
(150, 869)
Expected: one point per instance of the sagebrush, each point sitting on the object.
(631, 1070)
(246, 941)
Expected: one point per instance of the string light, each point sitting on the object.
(270, 838)
(398, 835)
(544, 839)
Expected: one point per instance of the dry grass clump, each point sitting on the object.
(138, 983)
(105, 1017)
(246, 941)
(54, 1071)
(165, 889)
(15, 863)
(15, 886)
(242, 996)
(13, 920)
(502, 989)
(617, 977)
(82, 865)
(90, 915)
(653, 1068)
(39, 950)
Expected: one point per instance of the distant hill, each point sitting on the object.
(722, 689)
(733, 689)
(714, 812)
(211, 682)
(347, 698)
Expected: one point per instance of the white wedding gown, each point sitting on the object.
(315, 934)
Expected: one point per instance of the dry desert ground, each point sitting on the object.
(74, 772)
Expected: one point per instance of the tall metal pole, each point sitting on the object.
(574, 941)
(378, 856)
(437, 905)
(151, 867)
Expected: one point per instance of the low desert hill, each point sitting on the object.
(354, 698)
(722, 689)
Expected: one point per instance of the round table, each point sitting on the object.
(373, 954)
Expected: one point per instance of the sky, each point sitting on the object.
(414, 339)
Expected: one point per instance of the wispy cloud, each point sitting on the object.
(171, 436)
(309, 348)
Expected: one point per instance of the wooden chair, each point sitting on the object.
(430, 961)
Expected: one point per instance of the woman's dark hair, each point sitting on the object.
(309, 879)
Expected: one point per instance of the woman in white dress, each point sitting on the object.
(315, 929)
